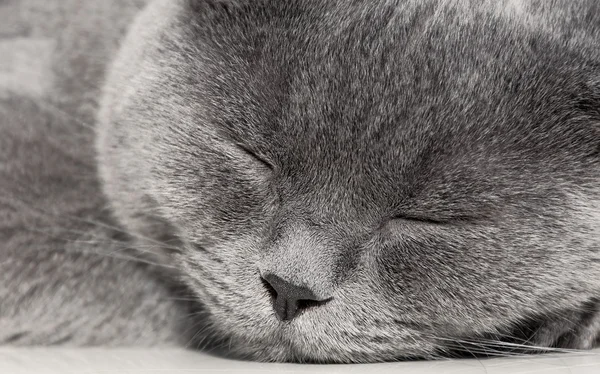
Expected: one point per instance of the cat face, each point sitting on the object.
(353, 182)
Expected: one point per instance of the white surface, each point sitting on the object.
(98, 361)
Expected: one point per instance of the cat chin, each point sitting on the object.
(561, 331)
(576, 330)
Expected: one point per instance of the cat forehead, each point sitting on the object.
(381, 87)
(367, 70)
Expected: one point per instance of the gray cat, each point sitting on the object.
(309, 180)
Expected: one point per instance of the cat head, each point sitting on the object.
(358, 181)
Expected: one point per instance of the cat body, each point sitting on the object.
(354, 181)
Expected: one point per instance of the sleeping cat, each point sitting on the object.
(324, 181)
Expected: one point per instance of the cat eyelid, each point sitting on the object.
(256, 157)
(431, 221)
(417, 219)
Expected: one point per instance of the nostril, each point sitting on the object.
(269, 288)
(289, 299)
(306, 304)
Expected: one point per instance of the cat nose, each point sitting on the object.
(289, 299)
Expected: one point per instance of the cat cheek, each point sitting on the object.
(240, 209)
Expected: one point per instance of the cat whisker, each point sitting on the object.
(108, 255)
(205, 331)
(23, 204)
(492, 344)
(131, 250)
(192, 299)
(45, 104)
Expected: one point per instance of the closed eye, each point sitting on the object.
(256, 157)
(429, 221)
(451, 220)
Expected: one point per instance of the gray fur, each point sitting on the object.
(65, 275)
(432, 166)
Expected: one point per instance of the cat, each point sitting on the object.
(325, 181)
